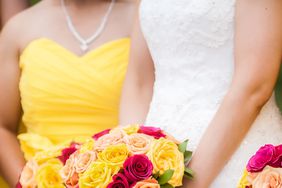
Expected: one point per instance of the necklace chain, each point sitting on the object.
(85, 43)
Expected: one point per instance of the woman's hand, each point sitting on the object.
(258, 54)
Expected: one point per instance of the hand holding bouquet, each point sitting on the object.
(129, 157)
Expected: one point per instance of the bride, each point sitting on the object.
(208, 75)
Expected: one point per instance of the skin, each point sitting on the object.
(9, 8)
(46, 19)
(258, 54)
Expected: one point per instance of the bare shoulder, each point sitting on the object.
(20, 28)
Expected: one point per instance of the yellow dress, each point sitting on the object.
(66, 97)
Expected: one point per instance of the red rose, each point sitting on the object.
(18, 185)
(67, 152)
(262, 158)
(276, 161)
(138, 168)
(119, 181)
(98, 135)
(152, 131)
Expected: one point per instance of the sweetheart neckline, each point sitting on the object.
(69, 52)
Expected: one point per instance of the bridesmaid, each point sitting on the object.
(62, 65)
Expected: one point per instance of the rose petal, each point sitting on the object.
(67, 152)
(262, 158)
(102, 133)
(152, 131)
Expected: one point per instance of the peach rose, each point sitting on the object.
(83, 161)
(72, 182)
(268, 178)
(150, 183)
(115, 137)
(27, 179)
(68, 169)
(138, 143)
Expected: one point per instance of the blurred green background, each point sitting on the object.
(32, 2)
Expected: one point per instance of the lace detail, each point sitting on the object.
(191, 42)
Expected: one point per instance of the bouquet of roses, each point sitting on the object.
(264, 169)
(128, 157)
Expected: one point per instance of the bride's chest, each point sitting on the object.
(201, 21)
(189, 10)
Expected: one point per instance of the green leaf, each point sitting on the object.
(165, 177)
(187, 156)
(188, 173)
(188, 176)
(156, 175)
(278, 91)
(167, 186)
(182, 147)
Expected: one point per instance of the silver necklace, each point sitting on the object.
(85, 43)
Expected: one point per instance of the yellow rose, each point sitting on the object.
(27, 178)
(165, 155)
(48, 174)
(43, 156)
(33, 143)
(131, 129)
(244, 181)
(114, 155)
(87, 146)
(98, 175)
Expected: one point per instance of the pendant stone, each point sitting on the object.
(84, 47)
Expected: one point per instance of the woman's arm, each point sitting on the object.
(11, 7)
(258, 54)
(138, 85)
(11, 157)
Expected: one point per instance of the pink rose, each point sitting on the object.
(102, 133)
(68, 169)
(114, 138)
(277, 158)
(27, 179)
(150, 183)
(119, 181)
(67, 152)
(262, 158)
(83, 160)
(138, 168)
(268, 178)
(152, 131)
(138, 143)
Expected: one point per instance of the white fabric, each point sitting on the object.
(191, 42)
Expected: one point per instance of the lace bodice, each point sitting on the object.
(191, 42)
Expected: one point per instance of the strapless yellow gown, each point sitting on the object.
(66, 97)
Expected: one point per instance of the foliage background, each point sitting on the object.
(32, 2)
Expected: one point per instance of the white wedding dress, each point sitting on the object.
(191, 42)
